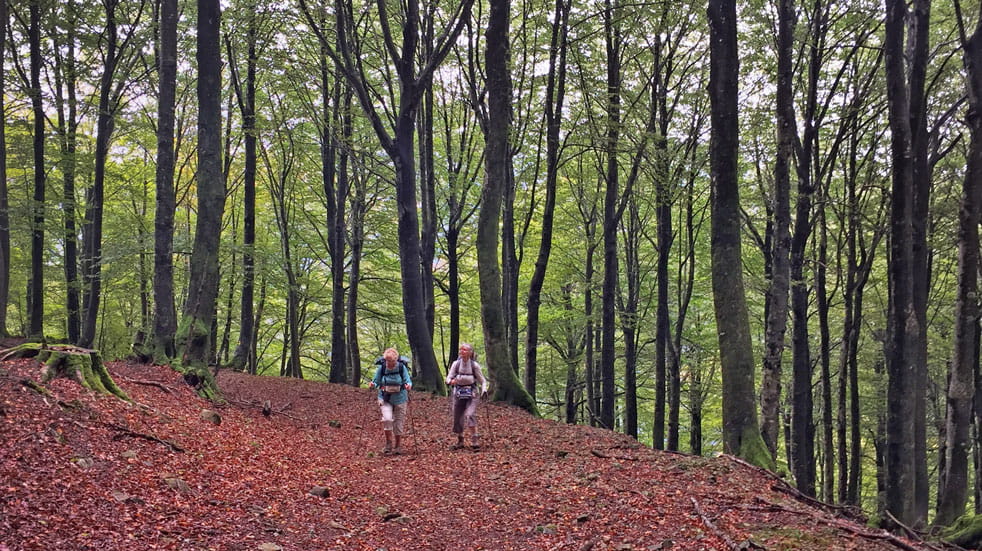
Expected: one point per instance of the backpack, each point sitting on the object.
(465, 383)
(390, 382)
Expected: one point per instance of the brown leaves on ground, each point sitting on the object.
(85, 471)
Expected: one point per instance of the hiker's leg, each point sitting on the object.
(459, 408)
(470, 417)
(387, 424)
(398, 425)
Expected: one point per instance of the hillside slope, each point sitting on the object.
(81, 471)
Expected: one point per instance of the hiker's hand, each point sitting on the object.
(408, 386)
(371, 384)
(453, 382)
(484, 394)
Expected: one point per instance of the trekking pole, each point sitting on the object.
(372, 405)
(412, 424)
(488, 416)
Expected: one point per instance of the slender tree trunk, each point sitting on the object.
(741, 433)
(822, 305)
(917, 54)
(555, 97)
(427, 188)
(777, 292)
(902, 353)
(608, 356)
(953, 493)
(247, 105)
(4, 201)
(35, 293)
(199, 309)
(66, 83)
(497, 151)
(165, 314)
(92, 228)
(334, 194)
(357, 240)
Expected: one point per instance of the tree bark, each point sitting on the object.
(497, 151)
(67, 107)
(4, 201)
(612, 40)
(903, 320)
(199, 308)
(555, 97)
(741, 433)
(777, 292)
(953, 493)
(35, 293)
(165, 314)
(247, 106)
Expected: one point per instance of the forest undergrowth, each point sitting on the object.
(80, 471)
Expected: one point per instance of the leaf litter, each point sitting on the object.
(85, 471)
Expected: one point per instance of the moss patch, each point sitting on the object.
(966, 531)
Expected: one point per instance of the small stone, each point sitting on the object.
(83, 462)
(120, 496)
(128, 454)
(178, 484)
(211, 416)
(270, 547)
(582, 518)
(334, 423)
(320, 491)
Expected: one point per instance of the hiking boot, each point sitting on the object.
(475, 447)
(397, 451)
(458, 445)
(387, 450)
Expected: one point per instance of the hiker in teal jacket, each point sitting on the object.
(393, 381)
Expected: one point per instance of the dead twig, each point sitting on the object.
(840, 524)
(597, 453)
(709, 524)
(783, 486)
(155, 384)
(263, 409)
(127, 432)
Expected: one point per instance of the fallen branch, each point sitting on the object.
(602, 455)
(709, 524)
(155, 384)
(911, 533)
(882, 535)
(263, 409)
(127, 432)
(783, 486)
(33, 385)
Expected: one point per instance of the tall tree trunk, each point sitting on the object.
(35, 293)
(334, 194)
(4, 201)
(165, 314)
(613, 40)
(741, 433)
(94, 196)
(497, 151)
(247, 105)
(427, 188)
(67, 107)
(822, 305)
(953, 493)
(555, 97)
(777, 292)
(902, 350)
(917, 54)
(199, 309)
(357, 240)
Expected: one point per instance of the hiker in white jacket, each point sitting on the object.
(465, 377)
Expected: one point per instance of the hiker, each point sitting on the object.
(464, 377)
(393, 382)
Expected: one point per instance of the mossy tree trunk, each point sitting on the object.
(81, 365)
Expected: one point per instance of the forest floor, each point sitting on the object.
(85, 471)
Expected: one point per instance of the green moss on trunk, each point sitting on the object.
(965, 532)
(81, 365)
(753, 450)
